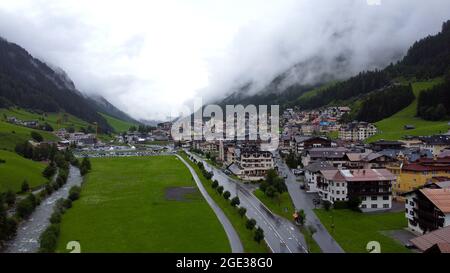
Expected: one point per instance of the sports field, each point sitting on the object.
(141, 205)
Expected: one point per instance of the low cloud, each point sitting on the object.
(149, 56)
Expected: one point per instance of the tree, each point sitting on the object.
(74, 193)
(226, 195)
(242, 211)
(215, 184)
(49, 239)
(26, 206)
(86, 163)
(326, 205)
(259, 235)
(220, 189)
(10, 198)
(36, 136)
(25, 186)
(250, 224)
(301, 217)
(235, 201)
(353, 203)
(49, 171)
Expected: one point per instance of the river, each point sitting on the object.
(28, 232)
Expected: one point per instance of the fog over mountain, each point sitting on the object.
(149, 56)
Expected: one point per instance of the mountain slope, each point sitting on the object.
(31, 84)
(427, 58)
(392, 128)
(105, 107)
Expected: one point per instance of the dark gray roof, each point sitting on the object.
(318, 166)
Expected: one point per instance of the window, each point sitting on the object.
(386, 206)
(364, 198)
(364, 206)
(386, 197)
(374, 198)
(411, 204)
(338, 192)
(374, 206)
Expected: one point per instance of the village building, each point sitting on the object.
(250, 163)
(335, 156)
(302, 143)
(357, 131)
(428, 209)
(312, 171)
(372, 186)
(434, 242)
(415, 175)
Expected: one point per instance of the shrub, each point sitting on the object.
(326, 205)
(220, 189)
(10, 198)
(49, 171)
(26, 206)
(242, 211)
(251, 223)
(226, 195)
(259, 235)
(67, 204)
(36, 136)
(74, 193)
(49, 239)
(235, 201)
(25, 186)
(340, 205)
(56, 217)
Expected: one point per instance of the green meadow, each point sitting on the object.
(17, 169)
(125, 207)
(392, 128)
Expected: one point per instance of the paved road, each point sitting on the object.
(281, 235)
(233, 237)
(28, 232)
(303, 200)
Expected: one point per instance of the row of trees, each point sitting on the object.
(234, 202)
(49, 238)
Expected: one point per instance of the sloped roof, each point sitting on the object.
(358, 175)
(440, 236)
(319, 165)
(439, 197)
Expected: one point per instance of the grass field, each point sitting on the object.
(124, 207)
(17, 169)
(392, 128)
(118, 125)
(282, 206)
(11, 134)
(246, 236)
(354, 230)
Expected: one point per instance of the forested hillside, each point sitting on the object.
(31, 84)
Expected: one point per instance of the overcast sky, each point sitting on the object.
(149, 56)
